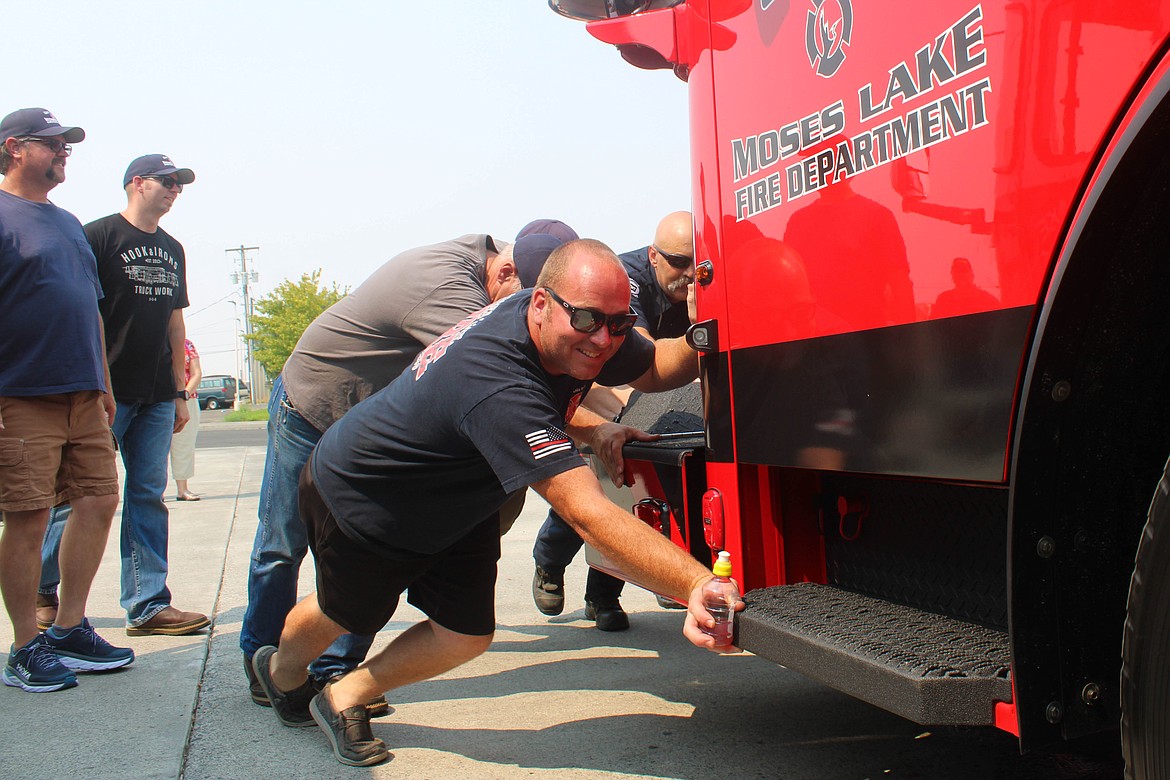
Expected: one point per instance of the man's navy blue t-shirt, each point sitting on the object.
(475, 418)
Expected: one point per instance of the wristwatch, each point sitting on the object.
(183, 394)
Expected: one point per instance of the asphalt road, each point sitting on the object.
(242, 437)
(214, 432)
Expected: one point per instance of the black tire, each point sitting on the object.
(1145, 648)
(212, 403)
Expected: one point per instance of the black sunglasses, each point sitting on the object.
(170, 182)
(590, 320)
(54, 145)
(678, 262)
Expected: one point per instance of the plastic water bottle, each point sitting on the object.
(719, 597)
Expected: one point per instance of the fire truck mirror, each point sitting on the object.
(592, 10)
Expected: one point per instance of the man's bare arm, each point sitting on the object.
(605, 439)
(675, 364)
(577, 497)
(177, 336)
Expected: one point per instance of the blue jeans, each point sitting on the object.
(557, 543)
(281, 542)
(144, 433)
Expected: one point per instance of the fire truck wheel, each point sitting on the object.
(1145, 672)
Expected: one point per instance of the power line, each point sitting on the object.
(213, 303)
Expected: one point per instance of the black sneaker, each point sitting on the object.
(548, 590)
(81, 649)
(377, 707)
(666, 602)
(35, 668)
(254, 687)
(609, 616)
(349, 732)
(291, 707)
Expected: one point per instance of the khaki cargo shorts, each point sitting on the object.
(53, 449)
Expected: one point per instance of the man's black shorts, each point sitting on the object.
(358, 588)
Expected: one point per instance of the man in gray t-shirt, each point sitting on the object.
(352, 350)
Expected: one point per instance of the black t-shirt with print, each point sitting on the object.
(418, 464)
(144, 278)
(660, 316)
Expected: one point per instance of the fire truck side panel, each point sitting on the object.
(897, 198)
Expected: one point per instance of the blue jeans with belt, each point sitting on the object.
(281, 542)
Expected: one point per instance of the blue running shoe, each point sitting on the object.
(35, 668)
(81, 649)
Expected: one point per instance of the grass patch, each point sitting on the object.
(244, 414)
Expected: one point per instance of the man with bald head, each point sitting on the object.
(660, 275)
(352, 350)
(402, 494)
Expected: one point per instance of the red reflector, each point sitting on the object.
(713, 518)
(649, 512)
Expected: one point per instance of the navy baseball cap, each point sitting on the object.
(529, 253)
(157, 165)
(39, 123)
(550, 227)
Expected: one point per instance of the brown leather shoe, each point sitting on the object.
(46, 610)
(170, 622)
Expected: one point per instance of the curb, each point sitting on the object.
(234, 426)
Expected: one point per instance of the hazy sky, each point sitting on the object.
(335, 135)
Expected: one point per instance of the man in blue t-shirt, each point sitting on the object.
(660, 275)
(403, 492)
(55, 407)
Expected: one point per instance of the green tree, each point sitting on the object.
(279, 318)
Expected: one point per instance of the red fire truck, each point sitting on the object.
(933, 246)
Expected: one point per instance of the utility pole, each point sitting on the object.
(243, 277)
(237, 331)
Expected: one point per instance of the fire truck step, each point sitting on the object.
(925, 667)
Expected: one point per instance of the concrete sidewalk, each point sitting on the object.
(182, 709)
(136, 722)
(552, 698)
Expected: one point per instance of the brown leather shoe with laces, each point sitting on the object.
(348, 731)
(46, 610)
(170, 622)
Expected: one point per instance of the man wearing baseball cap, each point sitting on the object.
(143, 272)
(55, 408)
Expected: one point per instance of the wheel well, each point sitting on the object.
(1091, 442)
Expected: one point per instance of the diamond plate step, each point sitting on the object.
(925, 667)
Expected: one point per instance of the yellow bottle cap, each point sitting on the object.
(722, 567)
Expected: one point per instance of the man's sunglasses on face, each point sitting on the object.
(678, 262)
(54, 145)
(590, 320)
(170, 182)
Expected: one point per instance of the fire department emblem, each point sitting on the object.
(827, 33)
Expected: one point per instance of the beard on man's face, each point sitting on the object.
(679, 285)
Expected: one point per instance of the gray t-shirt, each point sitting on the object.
(364, 341)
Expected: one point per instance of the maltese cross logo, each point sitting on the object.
(827, 33)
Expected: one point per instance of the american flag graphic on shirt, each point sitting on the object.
(548, 441)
